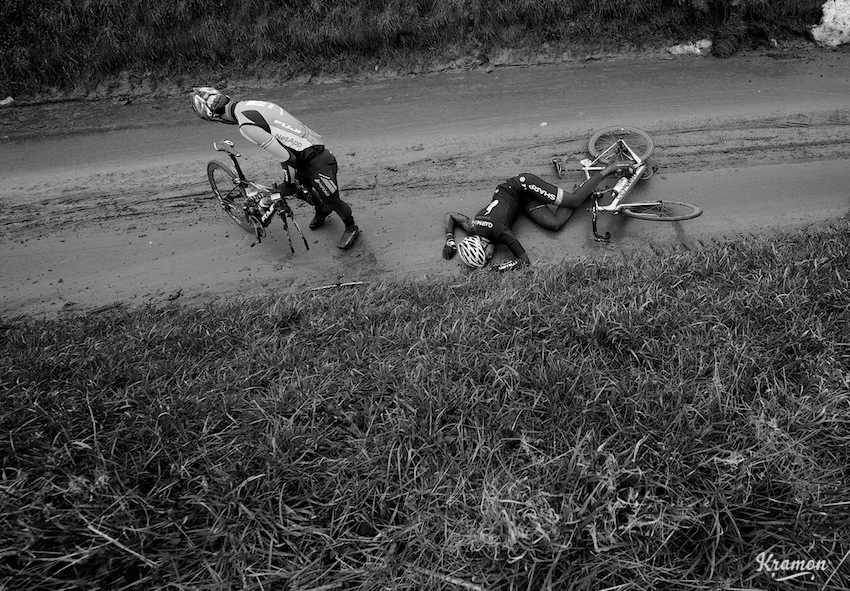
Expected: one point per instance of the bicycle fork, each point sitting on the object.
(286, 212)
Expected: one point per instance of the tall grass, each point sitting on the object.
(68, 42)
(649, 422)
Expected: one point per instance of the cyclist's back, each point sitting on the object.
(520, 193)
(494, 222)
(274, 128)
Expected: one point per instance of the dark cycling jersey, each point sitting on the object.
(522, 192)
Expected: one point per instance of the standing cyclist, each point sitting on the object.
(299, 150)
(492, 225)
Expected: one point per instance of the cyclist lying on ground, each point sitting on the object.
(299, 149)
(492, 225)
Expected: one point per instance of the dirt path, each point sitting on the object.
(107, 203)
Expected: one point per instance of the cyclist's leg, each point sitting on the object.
(321, 172)
(535, 188)
(583, 191)
(542, 215)
(306, 192)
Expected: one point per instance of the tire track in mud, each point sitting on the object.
(750, 142)
(168, 195)
(707, 145)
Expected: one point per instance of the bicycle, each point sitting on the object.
(631, 147)
(240, 198)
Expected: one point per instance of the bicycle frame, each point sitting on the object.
(234, 155)
(629, 167)
(280, 206)
(636, 169)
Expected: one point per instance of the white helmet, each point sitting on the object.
(472, 251)
(209, 103)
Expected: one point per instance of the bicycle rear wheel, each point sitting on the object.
(231, 196)
(661, 211)
(637, 139)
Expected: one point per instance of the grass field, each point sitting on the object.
(68, 43)
(656, 421)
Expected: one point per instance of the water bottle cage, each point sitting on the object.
(620, 186)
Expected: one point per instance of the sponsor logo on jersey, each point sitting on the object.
(543, 192)
(288, 127)
(291, 141)
(484, 223)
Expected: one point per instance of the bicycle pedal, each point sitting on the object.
(586, 162)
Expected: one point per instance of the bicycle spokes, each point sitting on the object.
(619, 151)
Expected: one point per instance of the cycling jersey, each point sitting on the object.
(274, 129)
(522, 192)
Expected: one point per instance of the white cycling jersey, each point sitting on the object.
(274, 129)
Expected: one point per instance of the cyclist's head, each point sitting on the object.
(473, 251)
(209, 103)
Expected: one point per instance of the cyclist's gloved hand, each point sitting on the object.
(450, 248)
(286, 188)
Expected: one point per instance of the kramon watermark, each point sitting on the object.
(785, 569)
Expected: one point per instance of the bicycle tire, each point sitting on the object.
(231, 196)
(661, 211)
(637, 139)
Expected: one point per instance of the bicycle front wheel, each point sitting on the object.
(661, 211)
(230, 194)
(637, 139)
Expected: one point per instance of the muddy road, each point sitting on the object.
(107, 202)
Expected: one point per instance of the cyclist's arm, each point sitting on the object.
(258, 135)
(541, 215)
(452, 220)
(508, 239)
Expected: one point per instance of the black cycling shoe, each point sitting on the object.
(349, 237)
(319, 219)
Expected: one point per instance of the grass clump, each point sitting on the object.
(650, 422)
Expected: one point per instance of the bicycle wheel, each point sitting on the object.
(637, 139)
(231, 196)
(661, 211)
